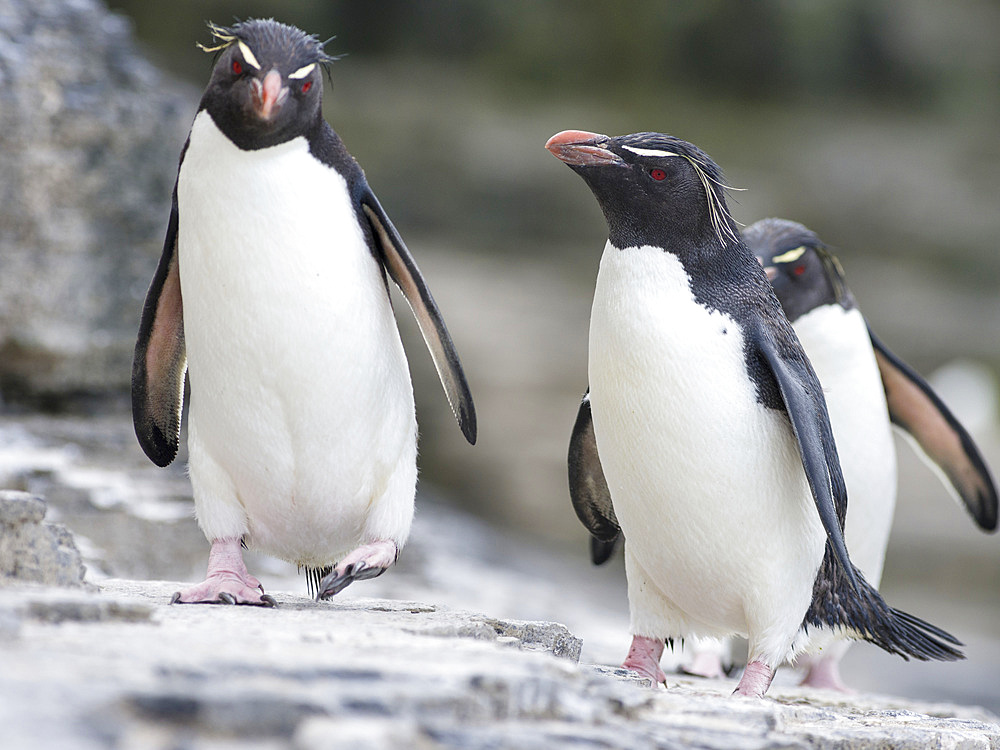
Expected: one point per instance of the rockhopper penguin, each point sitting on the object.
(711, 427)
(868, 390)
(271, 296)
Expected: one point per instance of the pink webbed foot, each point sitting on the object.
(367, 561)
(755, 681)
(705, 664)
(825, 673)
(227, 580)
(644, 658)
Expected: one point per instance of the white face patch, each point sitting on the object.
(248, 55)
(303, 71)
(649, 151)
(790, 256)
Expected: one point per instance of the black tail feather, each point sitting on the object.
(313, 578)
(932, 629)
(865, 615)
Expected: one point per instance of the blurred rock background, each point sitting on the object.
(872, 122)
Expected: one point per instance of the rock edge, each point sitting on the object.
(126, 669)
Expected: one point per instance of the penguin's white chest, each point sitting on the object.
(301, 410)
(838, 345)
(707, 483)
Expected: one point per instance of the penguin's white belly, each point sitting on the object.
(301, 422)
(707, 483)
(838, 345)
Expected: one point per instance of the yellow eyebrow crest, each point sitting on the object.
(790, 256)
(649, 151)
(303, 71)
(248, 55)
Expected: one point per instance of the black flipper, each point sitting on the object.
(600, 552)
(806, 408)
(588, 489)
(842, 598)
(159, 364)
(402, 269)
(916, 409)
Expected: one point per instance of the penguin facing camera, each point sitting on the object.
(710, 428)
(271, 298)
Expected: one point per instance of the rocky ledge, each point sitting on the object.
(122, 668)
(116, 666)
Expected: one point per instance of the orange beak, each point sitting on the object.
(582, 149)
(269, 95)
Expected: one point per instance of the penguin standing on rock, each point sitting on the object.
(271, 297)
(711, 428)
(868, 389)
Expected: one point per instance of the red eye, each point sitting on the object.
(306, 86)
(799, 270)
(237, 68)
(657, 174)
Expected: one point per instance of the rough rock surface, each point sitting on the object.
(125, 669)
(89, 137)
(32, 551)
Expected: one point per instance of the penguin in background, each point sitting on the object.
(712, 433)
(271, 297)
(868, 391)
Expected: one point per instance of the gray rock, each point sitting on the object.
(374, 673)
(89, 138)
(41, 604)
(17, 508)
(541, 636)
(61, 609)
(546, 636)
(324, 733)
(10, 623)
(32, 551)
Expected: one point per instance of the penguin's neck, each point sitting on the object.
(706, 260)
(714, 258)
(722, 276)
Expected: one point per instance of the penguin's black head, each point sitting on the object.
(654, 189)
(266, 86)
(804, 273)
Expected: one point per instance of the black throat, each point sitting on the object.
(246, 134)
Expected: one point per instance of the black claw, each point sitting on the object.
(225, 597)
(340, 586)
(334, 584)
(367, 573)
(336, 581)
